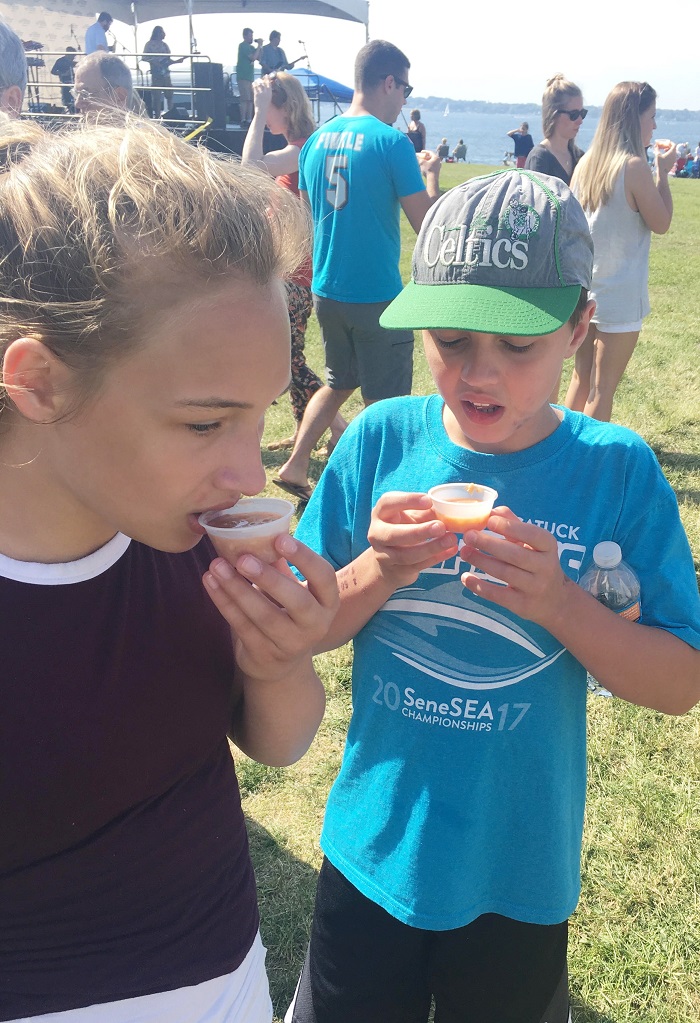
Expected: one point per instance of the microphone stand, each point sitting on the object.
(116, 43)
(308, 81)
(306, 55)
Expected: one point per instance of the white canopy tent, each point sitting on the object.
(55, 23)
(154, 10)
(137, 11)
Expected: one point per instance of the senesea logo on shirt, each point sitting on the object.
(425, 629)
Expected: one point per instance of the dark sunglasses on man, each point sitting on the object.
(574, 115)
(407, 89)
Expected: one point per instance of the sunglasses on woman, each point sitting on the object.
(574, 115)
(279, 93)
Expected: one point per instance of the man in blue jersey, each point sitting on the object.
(357, 172)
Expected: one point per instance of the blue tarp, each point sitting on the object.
(318, 87)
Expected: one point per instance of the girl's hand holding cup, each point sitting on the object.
(276, 619)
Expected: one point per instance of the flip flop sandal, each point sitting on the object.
(281, 445)
(302, 493)
(327, 450)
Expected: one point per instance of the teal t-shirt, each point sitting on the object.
(463, 781)
(245, 68)
(355, 170)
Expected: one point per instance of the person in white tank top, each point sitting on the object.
(624, 203)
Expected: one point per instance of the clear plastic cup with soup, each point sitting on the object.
(249, 527)
(462, 506)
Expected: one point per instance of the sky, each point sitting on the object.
(501, 51)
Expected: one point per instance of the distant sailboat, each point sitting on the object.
(447, 109)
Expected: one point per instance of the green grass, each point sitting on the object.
(635, 938)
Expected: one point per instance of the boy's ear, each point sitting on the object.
(35, 380)
(581, 329)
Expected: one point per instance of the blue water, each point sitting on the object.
(485, 134)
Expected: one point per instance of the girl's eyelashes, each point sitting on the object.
(203, 427)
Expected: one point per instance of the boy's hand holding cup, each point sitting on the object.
(525, 558)
(407, 538)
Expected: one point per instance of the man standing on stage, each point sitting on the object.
(96, 34)
(245, 73)
(64, 69)
(273, 57)
(13, 71)
(357, 173)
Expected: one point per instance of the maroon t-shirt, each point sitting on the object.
(124, 865)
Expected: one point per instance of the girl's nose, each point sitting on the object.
(244, 473)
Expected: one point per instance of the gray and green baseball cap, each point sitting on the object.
(503, 254)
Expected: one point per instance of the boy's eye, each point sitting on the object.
(203, 427)
(516, 348)
(446, 345)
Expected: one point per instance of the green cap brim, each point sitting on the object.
(527, 312)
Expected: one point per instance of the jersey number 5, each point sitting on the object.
(337, 191)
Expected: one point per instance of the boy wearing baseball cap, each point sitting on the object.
(452, 834)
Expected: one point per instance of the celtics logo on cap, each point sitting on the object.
(480, 224)
(520, 220)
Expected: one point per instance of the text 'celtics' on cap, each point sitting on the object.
(503, 254)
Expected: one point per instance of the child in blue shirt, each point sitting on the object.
(452, 834)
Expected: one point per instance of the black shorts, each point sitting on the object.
(364, 966)
(361, 353)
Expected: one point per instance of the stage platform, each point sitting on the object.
(231, 138)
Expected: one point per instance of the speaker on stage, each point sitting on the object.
(209, 104)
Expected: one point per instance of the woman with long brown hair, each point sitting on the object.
(623, 203)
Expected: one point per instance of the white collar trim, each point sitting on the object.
(63, 574)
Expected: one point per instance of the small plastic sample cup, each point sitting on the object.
(249, 527)
(462, 506)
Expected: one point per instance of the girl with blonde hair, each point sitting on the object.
(281, 104)
(143, 334)
(563, 114)
(623, 204)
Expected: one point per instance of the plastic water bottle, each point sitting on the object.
(615, 584)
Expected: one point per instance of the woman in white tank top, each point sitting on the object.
(623, 204)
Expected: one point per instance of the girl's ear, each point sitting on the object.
(581, 329)
(35, 380)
